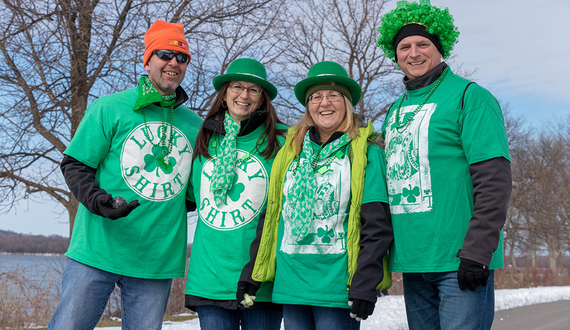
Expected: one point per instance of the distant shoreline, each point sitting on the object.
(34, 254)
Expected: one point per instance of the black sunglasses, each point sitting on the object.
(167, 55)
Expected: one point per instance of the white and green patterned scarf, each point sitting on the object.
(302, 196)
(225, 162)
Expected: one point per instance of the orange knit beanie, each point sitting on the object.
(164, 35)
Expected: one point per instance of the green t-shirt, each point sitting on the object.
(224, 234)
(314, 271)
(430, 188)
(151, 241)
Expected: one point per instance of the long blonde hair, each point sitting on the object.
(349, 125)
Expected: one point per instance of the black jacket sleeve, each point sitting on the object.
(80, 179)
(376, 235)
(190, 206)
(492, 184)
(247, 270)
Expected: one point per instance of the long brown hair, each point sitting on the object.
(349, 124)
(218, 111)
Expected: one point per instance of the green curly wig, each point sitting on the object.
(437, 22)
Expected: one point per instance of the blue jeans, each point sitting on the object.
(218, 318)
(85, 291)
(303, 317)
(434, 301)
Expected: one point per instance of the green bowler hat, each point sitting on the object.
(246, 69)
(327, 72)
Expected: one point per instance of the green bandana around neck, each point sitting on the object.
(148, 94)
(225, 162)
(302, 194)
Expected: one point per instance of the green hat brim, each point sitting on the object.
(221, 79)
(302, 86)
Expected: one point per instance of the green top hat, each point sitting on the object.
(327, 72)
(246, 69)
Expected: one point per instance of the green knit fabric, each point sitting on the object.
(225, 162)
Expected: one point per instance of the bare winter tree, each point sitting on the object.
(220, 41)
(344, 31)
(518, 135)
(56, 57)
(541, 176)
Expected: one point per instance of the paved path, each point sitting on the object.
(551, 316)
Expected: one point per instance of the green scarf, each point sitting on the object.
(302, 194)
(148, 94)
(225, 162)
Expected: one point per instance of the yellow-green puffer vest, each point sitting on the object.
(264, 267)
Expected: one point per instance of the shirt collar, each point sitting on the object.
(316, 137)
(425, 80)
(247, 125)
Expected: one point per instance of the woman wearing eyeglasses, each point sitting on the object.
(327, 226)
(235, 148)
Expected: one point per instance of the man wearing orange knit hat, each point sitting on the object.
(128, 165)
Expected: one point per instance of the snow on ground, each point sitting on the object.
(390, 313)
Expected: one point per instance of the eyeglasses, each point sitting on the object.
(238, 89)
(332, 97)
(167, 55)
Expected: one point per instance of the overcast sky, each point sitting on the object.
(521, 51)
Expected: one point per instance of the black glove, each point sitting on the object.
(244, 288)
(471, 274)
(114, 208)
(361, 309)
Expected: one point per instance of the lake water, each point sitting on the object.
(32, 285)
(34, 263)
(31, 273)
